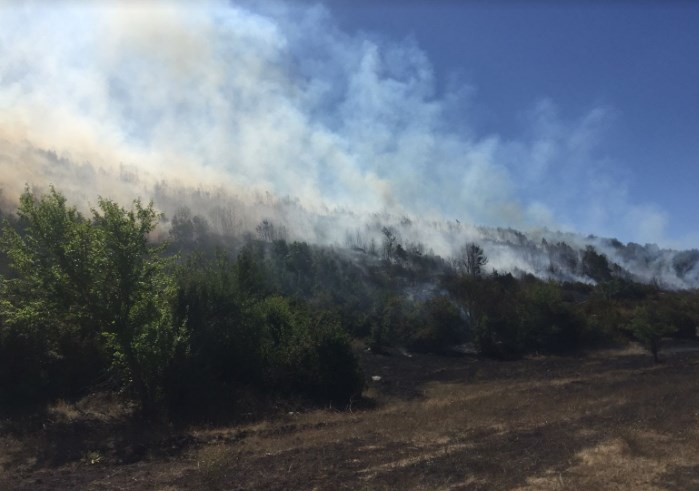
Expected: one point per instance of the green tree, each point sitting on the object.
(596, 265)
(439, 327)
(45, 330)
(133, 295)
(544, 321)
(97, 277)
(471, 287)
(649, 329)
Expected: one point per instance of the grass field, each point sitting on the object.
(604, 420)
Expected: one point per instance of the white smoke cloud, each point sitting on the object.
(115, 97)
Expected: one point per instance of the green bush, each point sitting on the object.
(245, 341)
(547, 323)
(649, 328)
(307, 354)
(531, 317)
(440, 326)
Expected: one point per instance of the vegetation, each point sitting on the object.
(85, 288)
(649, 328)
(194, 326)
(90, 300)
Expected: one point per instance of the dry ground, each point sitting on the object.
(606, 420)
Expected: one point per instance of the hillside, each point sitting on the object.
(139, 355)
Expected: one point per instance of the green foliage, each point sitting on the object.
(547, 323)
(649, 328)
(393, 323)
(306, 354)
(212, 303)
(87, 299)
(249, 272)
(222, 350)
(596, 265)
(187, 231)
(491, 307)
(260, 342)
(441, 326)
(510, 317)
(133, 295)
(94, 282)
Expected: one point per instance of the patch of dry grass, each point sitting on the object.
(605, 421)
(215, 464)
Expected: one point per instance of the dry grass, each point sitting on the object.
(214, 464)
(609, 420)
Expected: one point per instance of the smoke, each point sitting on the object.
(119, 98)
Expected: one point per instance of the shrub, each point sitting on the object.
(649, 329)
(441, 326)
(306, 354)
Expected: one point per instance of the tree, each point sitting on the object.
(134, 294)
(187, 230)
(96, 277)
(649, 329)
(472, 259)
(269, 232)
(44, 352)
(390, 241)
(596, 265)
(299, 261)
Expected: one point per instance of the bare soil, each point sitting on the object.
(605, 420)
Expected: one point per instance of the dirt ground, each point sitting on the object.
(605, 420)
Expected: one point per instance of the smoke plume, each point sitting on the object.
(274, 102)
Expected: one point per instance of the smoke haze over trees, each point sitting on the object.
(275, 99)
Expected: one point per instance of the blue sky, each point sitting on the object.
(638, 59)
(574, 116)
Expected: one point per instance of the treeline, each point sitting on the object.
(192, 326)
(391, 294)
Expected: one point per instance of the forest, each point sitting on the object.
(190, 324)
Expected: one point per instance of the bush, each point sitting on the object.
(548, 324)
(223, 349)
(341, 378)
(530, 318)
(649, 329)
(309, 355)
(441, 326)
(244, 341)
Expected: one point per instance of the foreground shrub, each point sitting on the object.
(308, 354)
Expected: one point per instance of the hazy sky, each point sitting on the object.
(638, 61)
(582, 116)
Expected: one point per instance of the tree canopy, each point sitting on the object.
(98, 276)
